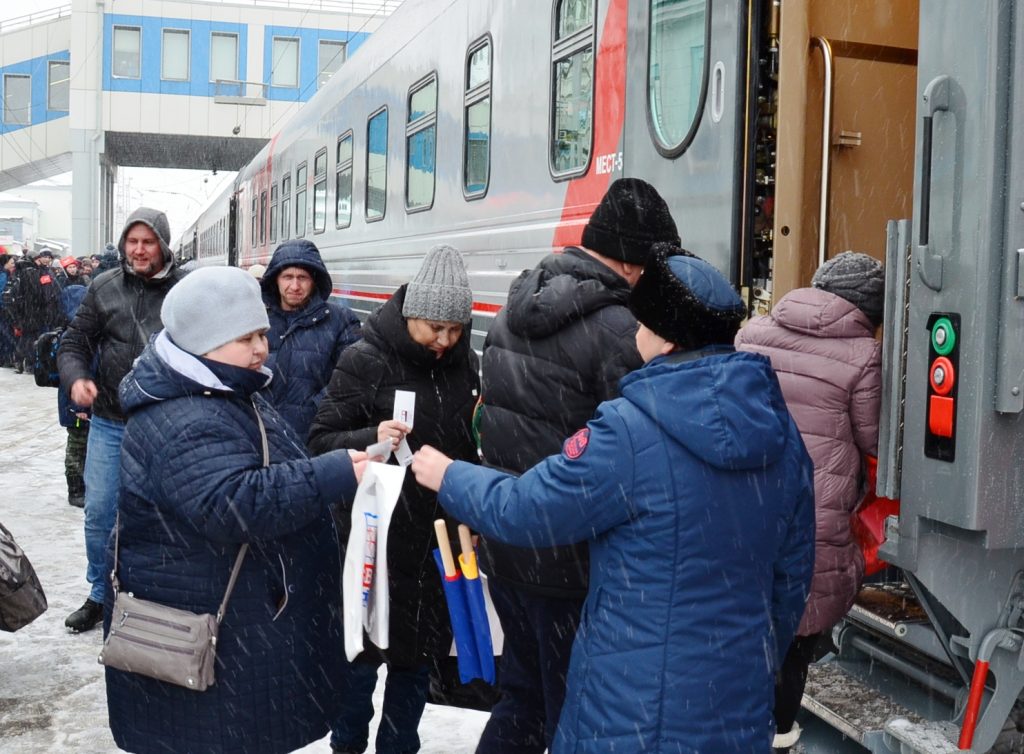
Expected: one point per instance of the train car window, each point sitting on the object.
(476, 134)
(376, 165)
(263, 218)
(676, 71)
(273, 213)
(572, 105)
(127, 52)
(286, 202)
(343, 183)
(331, 55)
(300, 201)
(421, 145)
(252, 221)
(174, 55)
(320, 191)
(285, 62)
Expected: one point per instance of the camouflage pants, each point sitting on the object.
(74, 458)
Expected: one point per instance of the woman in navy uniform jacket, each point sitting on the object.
(695, 493)
(194, 488)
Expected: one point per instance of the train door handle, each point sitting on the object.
(929, 265)
(826, 138)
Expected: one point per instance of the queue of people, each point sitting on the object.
(679, 472)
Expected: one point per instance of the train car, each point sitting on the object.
(780, 132)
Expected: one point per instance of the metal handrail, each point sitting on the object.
(826, 136)
(29, 19)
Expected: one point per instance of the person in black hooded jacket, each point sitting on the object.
(553, 354)
(415, 341)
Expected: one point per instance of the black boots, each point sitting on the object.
(85, 618)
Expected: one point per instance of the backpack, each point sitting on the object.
(45, 369)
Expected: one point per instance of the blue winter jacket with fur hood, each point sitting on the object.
(695, 492)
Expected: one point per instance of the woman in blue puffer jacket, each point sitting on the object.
(194, 489)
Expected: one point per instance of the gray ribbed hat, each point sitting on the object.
(213, 306)
(858, 278)
(440, 291)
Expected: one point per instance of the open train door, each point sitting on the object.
(233, 231)
(845, 143)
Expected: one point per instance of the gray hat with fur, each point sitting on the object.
(440, 291)
(213, 306)
(858, 278)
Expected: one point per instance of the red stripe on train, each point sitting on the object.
(478, 306)
(583, 193)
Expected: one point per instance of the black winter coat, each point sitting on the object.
(113, 324)
(553, 354)
(35, 294)
(361, 394)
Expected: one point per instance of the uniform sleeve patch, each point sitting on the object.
(576, 444)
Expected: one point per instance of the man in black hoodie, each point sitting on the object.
(556, 351)
(120, 311)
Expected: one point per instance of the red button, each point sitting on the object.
(940, 416)
(941, 376)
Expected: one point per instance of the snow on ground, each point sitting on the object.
(52, 695)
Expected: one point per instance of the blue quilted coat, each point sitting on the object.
(696, 494)
(193, 489)
(304, 345)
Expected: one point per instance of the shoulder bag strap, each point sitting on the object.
(245, 547)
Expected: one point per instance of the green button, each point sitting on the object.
(943, 336)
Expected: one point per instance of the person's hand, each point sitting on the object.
(393, 430)
(83, 392)
(82, 415)
(429, 466)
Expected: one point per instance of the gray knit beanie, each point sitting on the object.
(213, 306)
(440, 291)
(857, 278)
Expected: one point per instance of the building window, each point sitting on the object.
(285, 63)
(223, 56)
(320, 192)
(421, 145)
(286, 191)
(376, 165)
(252, 220)
(127, 53)
(675, 75)
(59, 85)
(17, 99)
(572, 107)
(343, 183)
(273, 213)
(476, 142)
(331, 56)
(300, 201)
(263, 218)
(174, 62)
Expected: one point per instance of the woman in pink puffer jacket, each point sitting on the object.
(822, 346)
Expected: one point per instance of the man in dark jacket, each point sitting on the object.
(307, 333)
(35, 304)
(556, 351)
(120, 311)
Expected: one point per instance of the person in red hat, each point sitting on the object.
(73, 272)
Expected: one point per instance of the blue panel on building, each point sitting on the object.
(38, 69)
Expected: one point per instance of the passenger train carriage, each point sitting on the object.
(780, 133)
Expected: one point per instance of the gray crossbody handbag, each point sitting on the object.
(171, 645)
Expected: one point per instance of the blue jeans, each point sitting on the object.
(405, 696)
(102, 484)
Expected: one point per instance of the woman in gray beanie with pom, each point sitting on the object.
(821, 341)
(207, 465)
(417, 341)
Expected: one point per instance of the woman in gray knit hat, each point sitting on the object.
(417, 341)
(821, 341)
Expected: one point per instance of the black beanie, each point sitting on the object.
(631, 216)
(685, 300)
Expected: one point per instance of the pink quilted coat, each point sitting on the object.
(830, 367)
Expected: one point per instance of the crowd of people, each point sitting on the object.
(662, 490)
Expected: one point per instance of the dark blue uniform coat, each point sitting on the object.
(194, 489)
(696, 494)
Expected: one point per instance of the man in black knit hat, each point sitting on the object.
(556, 351)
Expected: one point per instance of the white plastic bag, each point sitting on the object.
(365, 574)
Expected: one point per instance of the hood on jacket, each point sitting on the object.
(156, 221)
(725, 408)
(164, 371)
(815, 312)
(297, 252)
(561, 289)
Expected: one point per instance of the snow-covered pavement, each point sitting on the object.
(52, 696)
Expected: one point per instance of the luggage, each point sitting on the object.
(21, 596)
(45, 367)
